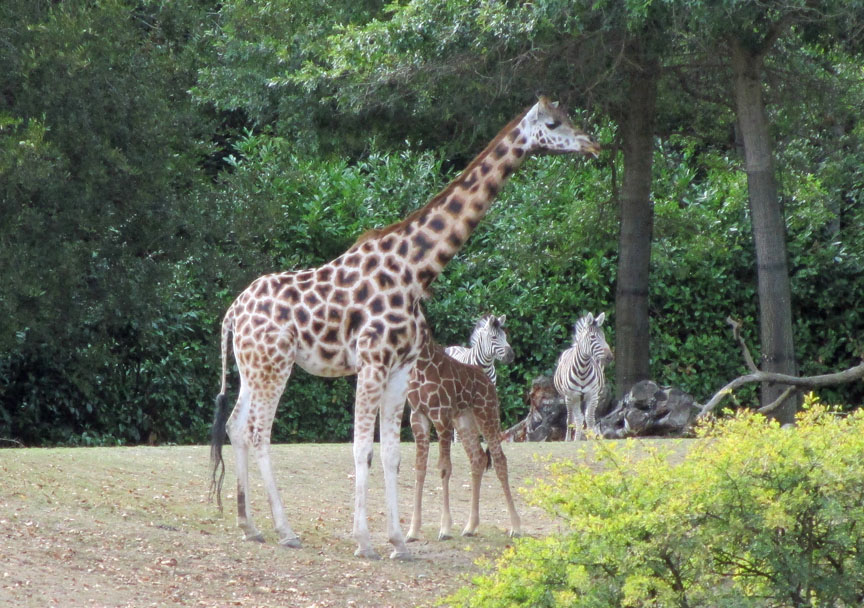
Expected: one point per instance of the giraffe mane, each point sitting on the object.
(439, 198)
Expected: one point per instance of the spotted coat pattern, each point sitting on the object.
(449, 394)
(360, 314)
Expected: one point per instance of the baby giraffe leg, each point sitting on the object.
(471, 441)
(445, 441)
(420, 428)
(499, 461)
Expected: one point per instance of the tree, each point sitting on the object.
(747, 33)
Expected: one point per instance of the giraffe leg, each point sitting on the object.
(370, 383)
(239, 443)
(390, 420)
(471, 442)
(420, 428)
(445, 466)
(491, 431)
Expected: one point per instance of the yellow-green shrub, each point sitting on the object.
(755, 515)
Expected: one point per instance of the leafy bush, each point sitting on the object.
(755, 515)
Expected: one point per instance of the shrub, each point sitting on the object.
(755, 515)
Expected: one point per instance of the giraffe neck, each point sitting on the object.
(433, 234)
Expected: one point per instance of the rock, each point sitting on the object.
(649, 410)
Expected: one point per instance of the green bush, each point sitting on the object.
(755, 515)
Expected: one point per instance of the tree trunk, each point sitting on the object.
(637, 223)
(769, 229)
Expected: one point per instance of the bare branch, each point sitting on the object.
(849, 375)
(736, 331)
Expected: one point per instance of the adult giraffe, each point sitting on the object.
(360, 314)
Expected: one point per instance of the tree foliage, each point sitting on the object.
(758, 516)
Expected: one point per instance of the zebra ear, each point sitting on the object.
(600, 318)
(502, 320)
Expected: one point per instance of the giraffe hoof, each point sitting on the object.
(468, 533)
(411, 538)
(367, 554)
(404, 556)
(291, 543)
(443, 536)
(255, 538)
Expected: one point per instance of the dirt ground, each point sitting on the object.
(133, 527)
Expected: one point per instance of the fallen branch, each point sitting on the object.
(849, 375)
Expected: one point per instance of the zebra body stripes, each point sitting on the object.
(579, 377)
(488, 344)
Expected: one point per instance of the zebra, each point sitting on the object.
(488, 344)
(579, 376)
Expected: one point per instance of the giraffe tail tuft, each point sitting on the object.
(488, 459)
(218, 435)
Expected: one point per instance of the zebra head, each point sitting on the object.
(588, 332)
(489, 338)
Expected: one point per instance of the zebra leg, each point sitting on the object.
(571, 418)
(580, 418)
(590, 412)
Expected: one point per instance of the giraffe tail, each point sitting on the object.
(218, 434)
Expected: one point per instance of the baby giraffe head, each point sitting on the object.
(549, 131)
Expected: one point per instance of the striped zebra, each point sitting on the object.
(488, 344)
(579, 376)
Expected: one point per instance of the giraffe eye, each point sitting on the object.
(554, 124)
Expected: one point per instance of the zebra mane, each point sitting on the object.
(481, 324)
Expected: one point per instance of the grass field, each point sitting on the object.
(134, 527)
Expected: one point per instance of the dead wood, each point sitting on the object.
(756, 375)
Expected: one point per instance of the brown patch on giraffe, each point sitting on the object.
(518, 152)
(323, 290)
(384, 280)
(356, 317)
(310, 299)
(331, 336)
(265, 306)
(323, 274)
(403, 248)
(340, 297)
(454, 205)
(302, 316)
(283, 312)
(397, 300)
(370, 264)
(444, 257)
(327, 353)
(485, 168)
(308, 338)
(469, 180)
(318, 326)
(506, 170)
(491, 188)
(454, 240)
(437, 224)
(376, 305)
(353, 260)
(422, 246)
(362, 292)
(387, 243)
(500, 151)
(346, 278)
(292, 295)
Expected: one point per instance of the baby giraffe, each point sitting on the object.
(450, 394)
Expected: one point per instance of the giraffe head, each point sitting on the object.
(489, 332)
(549, 131)
(590, 328)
